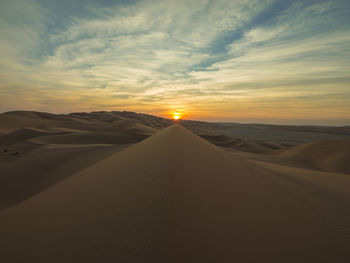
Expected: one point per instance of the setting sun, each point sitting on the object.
(177, 115)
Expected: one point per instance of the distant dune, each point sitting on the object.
(174, 197)
(11, 121)
(327, 156)
(39, 149)
(332, 156)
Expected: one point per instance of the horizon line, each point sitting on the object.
(198, 120)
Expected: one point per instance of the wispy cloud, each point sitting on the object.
(212, 58)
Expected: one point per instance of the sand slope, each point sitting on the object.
(176, 198)
(332, 156)
(38, 150)
(327, 156)
(227, 142)
(45, 166)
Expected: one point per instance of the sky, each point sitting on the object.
(263, 61)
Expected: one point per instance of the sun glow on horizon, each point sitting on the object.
(177, 116)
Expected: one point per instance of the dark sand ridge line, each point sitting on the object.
(176, 198)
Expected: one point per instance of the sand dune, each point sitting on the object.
(331, 156)
(32, 160)
(239, 144)
(41, 149)
(45, 166)
(328, 156)
(94, 121)
(176, 198)
(93, 138)
(11, 121)
(25, 134)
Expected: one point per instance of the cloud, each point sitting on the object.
(207, 55)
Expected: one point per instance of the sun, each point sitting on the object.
(177, 116)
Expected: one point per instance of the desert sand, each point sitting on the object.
(175, 197)
(40, 149)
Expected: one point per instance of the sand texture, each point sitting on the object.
(174, 197)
